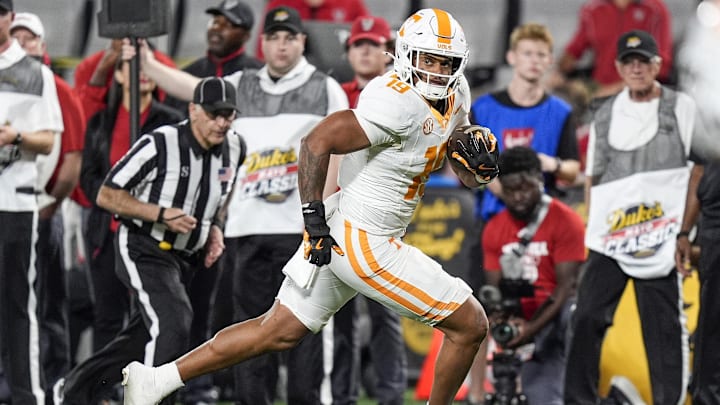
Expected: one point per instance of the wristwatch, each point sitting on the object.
(18, 139)
(558, 165)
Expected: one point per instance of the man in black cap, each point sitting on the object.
(637, 173)
(29, 118)
(278, 104)
(228, 31)
(170, 192)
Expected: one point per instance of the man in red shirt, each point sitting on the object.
(369, 39)
(549, 259)
(599, 27)
(94, 74)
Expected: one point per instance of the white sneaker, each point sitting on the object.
(58, 391)
(139, 385)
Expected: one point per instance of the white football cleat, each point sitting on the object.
(140, 385)
(144, 385)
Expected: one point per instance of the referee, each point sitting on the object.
(169, 191)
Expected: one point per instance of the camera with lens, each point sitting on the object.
(502, 303)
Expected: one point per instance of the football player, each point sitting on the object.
(392, 141)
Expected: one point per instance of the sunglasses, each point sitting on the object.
(227, 114)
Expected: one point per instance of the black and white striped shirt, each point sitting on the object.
(168, 167)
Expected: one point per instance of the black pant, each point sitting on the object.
(54, 332)
(19, 330)
(159, 327)
(659, 306)
(111, 298)
(201, 291)
(252, 265)
(705, 387)
(386, 352)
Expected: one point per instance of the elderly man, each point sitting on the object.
(169, 191)
(637, 174)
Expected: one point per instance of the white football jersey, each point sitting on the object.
(382, 185)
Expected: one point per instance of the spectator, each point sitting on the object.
(637, 174)
(170, 199)
(703, 196)
(369, 40)
(228, 31)
(94, 75)
(367, 45)
(523, 114)
(107, 139)
(599, 26)
(545, 239)
(28, 30)
(285, 98)
(388, 160)
(30, 116)
(334, 11)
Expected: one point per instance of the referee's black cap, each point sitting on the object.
(6, 5)
(215, 94)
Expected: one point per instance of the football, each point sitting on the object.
(474, 148)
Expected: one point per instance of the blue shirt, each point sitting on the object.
(544, 127)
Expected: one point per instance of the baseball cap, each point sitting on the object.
(283, 18)
(29, 21)
(6, 4)
(636, 41)
(237, 12)
(214, 94)
(375, 29)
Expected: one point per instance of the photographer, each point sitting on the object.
(533, 250)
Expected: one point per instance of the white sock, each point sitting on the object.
(167, 378)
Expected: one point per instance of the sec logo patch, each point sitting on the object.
(428, 126)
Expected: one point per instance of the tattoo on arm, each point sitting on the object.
(311, 173)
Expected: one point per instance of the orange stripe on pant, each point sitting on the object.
(391, 279)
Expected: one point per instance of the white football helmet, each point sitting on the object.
(436, 32)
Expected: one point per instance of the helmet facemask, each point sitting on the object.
(426, 83)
